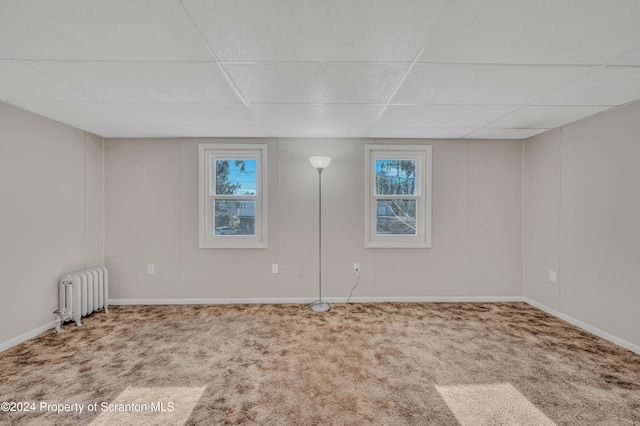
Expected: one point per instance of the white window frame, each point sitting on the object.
(422, 155)
(207, 156)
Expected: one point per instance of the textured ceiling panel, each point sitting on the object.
(78, 113)
(20, 82)
(99, 30)
(602, 86)
(419, 132)
(442, 115)
(311, 30)
(335, 115)
(505, 133)
(331, 68)
(188, 114)
(545, 117)
(482, 84)
(144, 81)
(317, 82)
(629, 58)
(175, 131)
(535, 32)
(318, 132)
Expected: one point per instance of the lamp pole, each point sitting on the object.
(320, 163)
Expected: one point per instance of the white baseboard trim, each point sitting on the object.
(434, 299)
(25, 336)
(583, 325)
(303, 300)
(217, 301)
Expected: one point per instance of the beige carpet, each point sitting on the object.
(387, 364)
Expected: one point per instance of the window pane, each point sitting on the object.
(395, 177)
(396, 217)
(236, 177)
(235, 217)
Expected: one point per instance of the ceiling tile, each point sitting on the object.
(505, 133)
(545, 117)
(310, 30)
(442, 116)
(98, 30)
(316, 83)
(602, 86)
(535, 32)
(630, 58)
(481, 84)
(221, 131)
(20, 82)
(144, 81)
(78, 113)
(309, 68)
(420, 132)
(188, 114)
(295, 115)
(173, 131)
(318, 132)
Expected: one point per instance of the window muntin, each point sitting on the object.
(398, 201)
(233, 208)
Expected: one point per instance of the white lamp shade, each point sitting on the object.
(320, 162)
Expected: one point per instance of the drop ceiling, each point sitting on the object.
(506, 69)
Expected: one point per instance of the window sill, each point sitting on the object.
(397, 244)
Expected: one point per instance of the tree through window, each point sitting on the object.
(396, 216)
(235, 191)
(398, 196)
(233, 196)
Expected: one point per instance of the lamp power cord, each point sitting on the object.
(357, 272)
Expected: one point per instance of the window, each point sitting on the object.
(398, 196)
(233, 196)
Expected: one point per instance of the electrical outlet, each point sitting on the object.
(274, 268)
(356, 268)
(151, 269)
(553, 277)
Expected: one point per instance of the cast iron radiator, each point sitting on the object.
(80, 293)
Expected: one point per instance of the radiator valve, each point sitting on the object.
(61, 316)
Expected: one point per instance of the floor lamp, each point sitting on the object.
(320, 163)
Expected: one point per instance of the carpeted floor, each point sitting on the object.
(385, 363)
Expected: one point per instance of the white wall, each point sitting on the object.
(582, 204)
(51, 184)
(152, 217)
(541, 243)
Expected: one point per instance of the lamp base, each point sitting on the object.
(320, 307)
